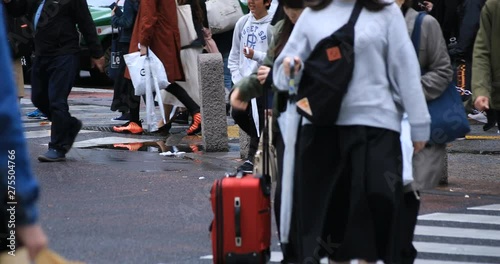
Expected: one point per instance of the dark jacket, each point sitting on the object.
(56, 33)
(20, 37)
(469, 13)
(445, 12)
(125, 20)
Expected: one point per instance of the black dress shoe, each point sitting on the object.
(182, 117)
(492, 119)
(164, 130)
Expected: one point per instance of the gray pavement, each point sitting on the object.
(109, 204)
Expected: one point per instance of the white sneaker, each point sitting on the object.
(479, 117)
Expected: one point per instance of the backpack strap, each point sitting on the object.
(415, 35)
(355, 13)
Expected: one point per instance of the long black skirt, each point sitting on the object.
(121, 86)
(347, 193)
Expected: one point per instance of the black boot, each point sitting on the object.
(491, 115)
(498, 120)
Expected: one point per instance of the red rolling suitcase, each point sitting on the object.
(241, 229)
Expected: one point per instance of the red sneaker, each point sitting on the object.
(196, 125)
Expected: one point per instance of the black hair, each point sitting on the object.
(372, 5)
(287, 24)
(268, 1)
(292, 3)
(407, 4)
(196, 11)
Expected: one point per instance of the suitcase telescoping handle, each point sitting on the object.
(237, 221)
(266, 178)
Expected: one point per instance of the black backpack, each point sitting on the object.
(327, 73)
(20, 36)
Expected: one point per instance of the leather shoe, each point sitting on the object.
(52, 155)
(163, 130)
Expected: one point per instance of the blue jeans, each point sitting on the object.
(52, 78)
(227, 73)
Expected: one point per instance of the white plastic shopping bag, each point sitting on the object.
(407, 150)
(152, 83)
(136, 66)
(158, 70)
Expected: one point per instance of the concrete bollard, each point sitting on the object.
(213, 105)
(244, 144)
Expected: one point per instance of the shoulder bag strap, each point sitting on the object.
(415, 35)
(355, 13)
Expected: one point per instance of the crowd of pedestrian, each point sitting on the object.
(352, 196)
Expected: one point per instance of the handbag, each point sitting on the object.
(448, 119)
(327, 73)
(265, 145)
(187, 30)
(222, 15)
(114, 57)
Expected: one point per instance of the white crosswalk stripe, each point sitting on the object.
(468, 237)
(463, 218)
(491, 207)
(472, 238)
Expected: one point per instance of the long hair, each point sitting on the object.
(287, 25)
(196, 11)
(372, 5)
(407, 4)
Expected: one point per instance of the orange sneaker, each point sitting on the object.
(194, 148)
(129, 146)
(196, 125)
(129, 127)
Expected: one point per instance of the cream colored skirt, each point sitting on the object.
(189, 58)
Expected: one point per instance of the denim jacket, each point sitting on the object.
(16, 168)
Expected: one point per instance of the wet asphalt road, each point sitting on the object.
(110, 205)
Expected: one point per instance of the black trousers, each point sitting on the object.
(121, 95)
(493, 116)
(52, 78)
(348, 189)
(408, 220)
(244, 119)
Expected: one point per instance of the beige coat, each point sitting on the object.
(428, 164)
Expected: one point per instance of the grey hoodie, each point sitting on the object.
(386, 77)
(252, 33)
